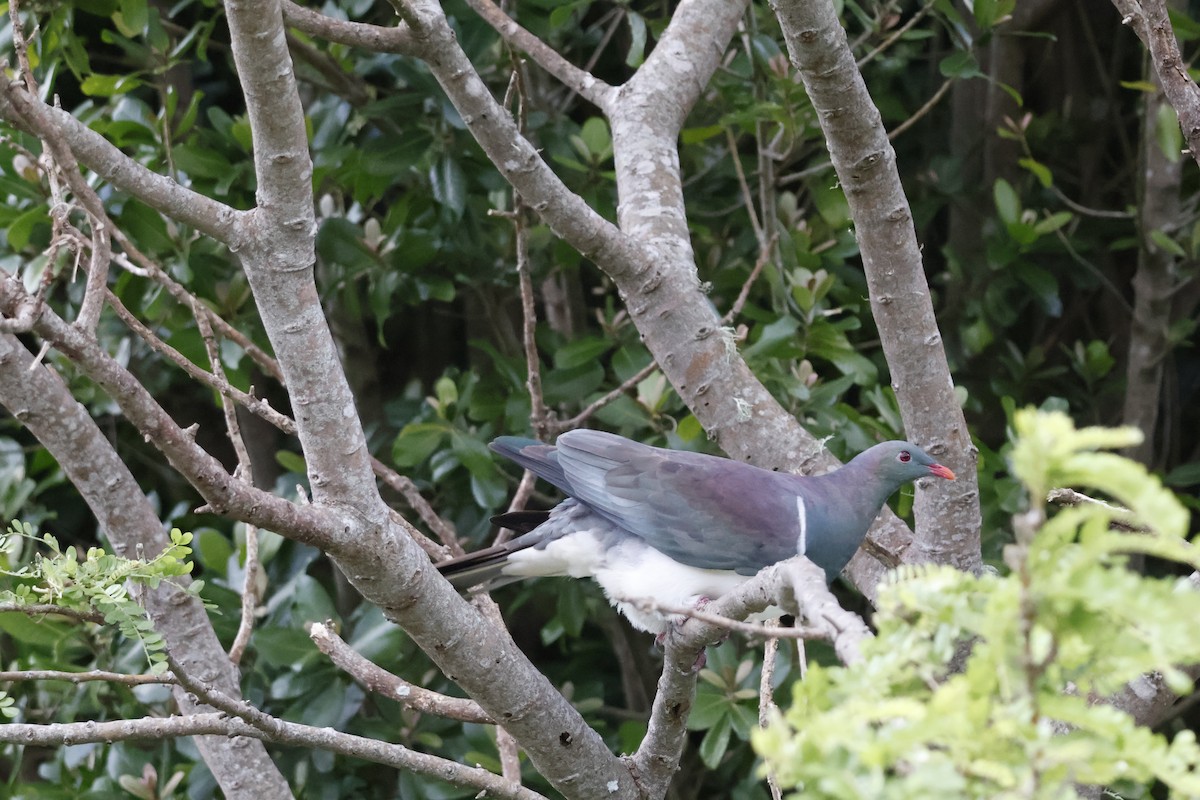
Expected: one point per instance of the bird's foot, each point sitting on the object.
(675, 623)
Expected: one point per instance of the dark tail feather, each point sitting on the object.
(481, 567)
(486, 566)
(520, 521)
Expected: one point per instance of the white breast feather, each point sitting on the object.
(627, 571)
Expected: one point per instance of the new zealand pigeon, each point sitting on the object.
(679, 527)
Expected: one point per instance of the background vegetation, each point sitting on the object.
(1059, 233)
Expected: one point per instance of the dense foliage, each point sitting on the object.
(1066, 624)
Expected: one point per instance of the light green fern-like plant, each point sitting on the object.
(98, 582)
(1069, 624)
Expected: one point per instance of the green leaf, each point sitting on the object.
(689, 428)
(702, 134)
(572, 385)
(41, 632)
(213, 550)
(21, 230)
(1184, 475)
(488, 492)
(1141, 86)
(585, 350)
(375, 637)
(1053, 222)
(96, 85)
(473, 454)
(449, 185)
(637, 39)
(446, 391)
(596, 140)
(1008, 205)
(133, 18)
(1167, 133)
(710, 706)
(284, 647)
(417, 442)
(715, 743)
(960, 64)
(1165, 243)
(292, 462)
(562, 14)
(1039, 170)
(990, 12)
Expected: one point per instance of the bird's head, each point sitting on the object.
(901, 462)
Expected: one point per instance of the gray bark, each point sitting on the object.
(44, 405)
(948, 517)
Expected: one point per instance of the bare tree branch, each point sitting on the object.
(541, 418)
(219, 724)
(766, 698)
(1150, 21)
(215, 380)
(589, 87)
(948, 517)
(222, 491)
(796, 585)
(37, 397)
(88, 147)
(378, 680)
(85, 677)
(600, 402)
(244, 470)
(47, 609)
(356, 34)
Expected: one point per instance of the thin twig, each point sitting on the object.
(922, 111)
(541, 418)
(85, 677)
(245, 471)
(595, 91)
(261, 407)
(896, 34)
(44, 609)
(60, 156)
(378, 680)
(255, 405)
(736, 626)
(150, 269)
(1070, 497)
(1088, 211)
(97, 276)
(21, 47)
(594, 406)
(744, 185)
(156, 729)
(764, 256)
(766, 697)
(412, 495)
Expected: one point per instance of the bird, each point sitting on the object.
(680, 528)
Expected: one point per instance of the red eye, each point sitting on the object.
(904, 456)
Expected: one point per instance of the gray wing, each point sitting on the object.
(703, 511)
(539, 458)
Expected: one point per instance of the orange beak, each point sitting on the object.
(941, 472)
